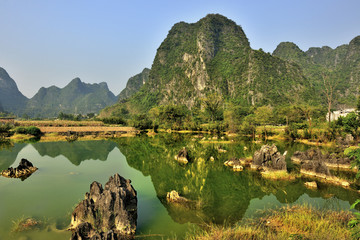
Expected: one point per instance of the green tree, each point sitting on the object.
(213, 107)
(263, 116)
(329, 90)
(233, 116)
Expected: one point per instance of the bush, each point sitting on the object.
(34, 131)
(142, 122)
(20, 130)
(113, 120)
(5, 130)
(291, 132)
(28, 130)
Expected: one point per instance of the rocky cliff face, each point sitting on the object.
(213, 56)
(11, 99)
(134, 84)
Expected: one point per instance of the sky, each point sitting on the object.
(51, 42)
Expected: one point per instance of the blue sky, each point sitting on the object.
(50, 42)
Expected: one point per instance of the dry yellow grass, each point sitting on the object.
(58, 123)
(86, 129)
(296, 222)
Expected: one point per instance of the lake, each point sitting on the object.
(66, 171)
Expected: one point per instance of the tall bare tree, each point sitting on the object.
(329, 89)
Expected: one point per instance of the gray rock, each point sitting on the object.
(23, 171)
(106, 213)
(316, 166)
(269, 157)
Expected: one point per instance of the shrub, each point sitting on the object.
(28, 130)
(142, 122)
(33, 131)
(291, 132)
(114, 120)
(20, 130)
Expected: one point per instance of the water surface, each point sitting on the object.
(66, 171)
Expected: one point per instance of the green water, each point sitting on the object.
(66, 171)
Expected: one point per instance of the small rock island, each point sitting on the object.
(106, 213)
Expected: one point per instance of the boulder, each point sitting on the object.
(270, 158)
(106, 213)
(183, 156)
(174, 196)
(235, 163)
(23, 171)
(312, 185)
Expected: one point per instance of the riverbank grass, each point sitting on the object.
(278, 175)
(291, 222)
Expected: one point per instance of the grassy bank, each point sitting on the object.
(296, 222)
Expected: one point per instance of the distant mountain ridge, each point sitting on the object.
(77, 98)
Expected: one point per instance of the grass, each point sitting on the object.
(58, 123)
(278, 175)
(25, 224)
(291, 222)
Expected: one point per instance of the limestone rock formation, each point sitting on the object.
(315, 166)
(315, 155)
(23, 171)
(183, 156)
(236, 164)
(106, 213)
(270, 158)
(174, 196)
(311, 185)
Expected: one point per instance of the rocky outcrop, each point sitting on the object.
(106, 213)
(311, 185)
(235, 164)
(183, 156)
(174, 196)
(315, 166)
(23, 171)
(334, 160)
(270, 158)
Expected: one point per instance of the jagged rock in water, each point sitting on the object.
(332, 160)
(312, 185)
(235, 163)
(183, 156)
(269, 157)
(176, 201)
(106, 213)
(311, 154)
(23, 171)
(174, 196)
(315, 166)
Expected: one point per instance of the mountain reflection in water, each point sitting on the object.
(219, 194)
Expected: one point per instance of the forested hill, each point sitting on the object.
(77, 97)
(213, 57)
(339, 66)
